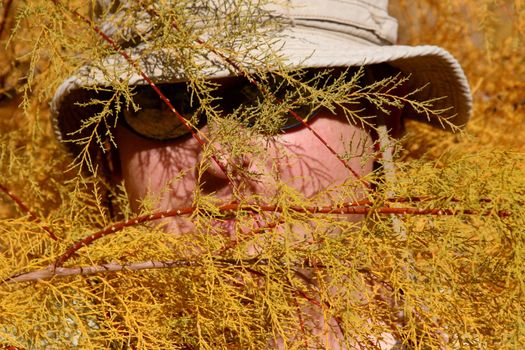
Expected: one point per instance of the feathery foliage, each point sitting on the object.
(436, 261)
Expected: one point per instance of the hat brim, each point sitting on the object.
(430, 67)
(299, 47)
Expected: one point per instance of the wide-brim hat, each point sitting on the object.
(328, 33)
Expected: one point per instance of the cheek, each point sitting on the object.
(150, 168)
(166, 171)
(305, 163)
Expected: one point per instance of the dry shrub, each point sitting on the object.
(451, 277)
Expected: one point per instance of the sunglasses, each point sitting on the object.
(154, 120)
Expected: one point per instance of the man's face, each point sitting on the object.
(170, 172)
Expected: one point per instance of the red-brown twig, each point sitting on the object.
(355, 208)
(25, 209)
(3, 20)
(10, 347)
(301, 321)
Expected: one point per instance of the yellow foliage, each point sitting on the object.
(452, 277)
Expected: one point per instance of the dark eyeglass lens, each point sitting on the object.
(155, 121)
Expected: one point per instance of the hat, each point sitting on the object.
(315, 34)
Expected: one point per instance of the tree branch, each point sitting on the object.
(52, 271)
(352, 208)
(25, 209)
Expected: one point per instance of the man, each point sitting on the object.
(238, 135)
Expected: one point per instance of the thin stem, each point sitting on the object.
(301, 321)
(25, 209)
(3, 21)
(52, 270)
(353, 208)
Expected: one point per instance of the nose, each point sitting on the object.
(221, 164)
(219, 159)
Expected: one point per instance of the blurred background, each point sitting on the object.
(487, 37)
